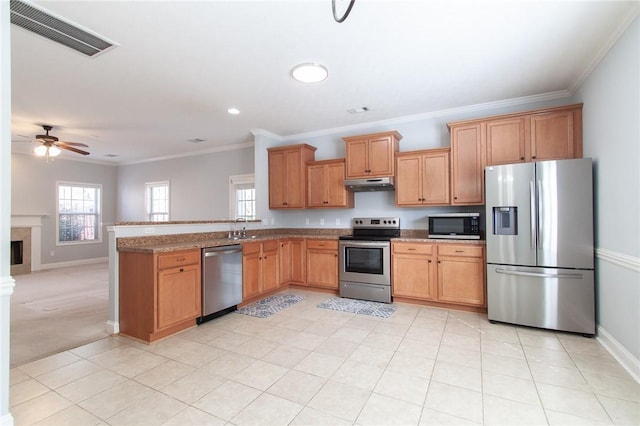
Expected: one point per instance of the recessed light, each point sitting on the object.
(309, 72)
(233, 111)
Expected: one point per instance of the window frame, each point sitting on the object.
(98, 239)
(148, 186)
(234, 182)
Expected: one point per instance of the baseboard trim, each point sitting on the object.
(113, 327)
(619, 259)
(620, 353)
(80, 262)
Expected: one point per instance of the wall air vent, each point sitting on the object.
(27, 16)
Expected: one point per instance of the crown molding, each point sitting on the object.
(435, 114)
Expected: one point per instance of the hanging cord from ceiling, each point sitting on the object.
(340, 19)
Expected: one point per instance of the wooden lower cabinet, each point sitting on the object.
(449, 273)
(260, 268)
(322, 263)
(292, 261)
(414, 267)
(160, 294)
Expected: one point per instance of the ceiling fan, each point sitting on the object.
(51, 145)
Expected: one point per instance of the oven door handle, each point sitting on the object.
(366, 244)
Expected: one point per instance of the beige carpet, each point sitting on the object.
(56, 310)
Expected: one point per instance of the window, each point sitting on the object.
(242, 197)
(157, 201)
(79, 219)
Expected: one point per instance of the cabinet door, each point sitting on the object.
(357, 162)
(467, 165)
(251, 256)
(413, 276)
(285, 261)
(506, 141)
(316, 189)
(380, 157)
(322, 264)
(552, 136)
(409, 180)
(269, 266)
(298, 266)
(277, 180)
(295, 179)
(435, 179)
(337, 194)
(178, 295)
(461, 280)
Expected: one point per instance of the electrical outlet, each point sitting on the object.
(306, 221)
(273, 221)
(322, 221)
(149, 230)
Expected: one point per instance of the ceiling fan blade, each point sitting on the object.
(70, 148)
(72, 144)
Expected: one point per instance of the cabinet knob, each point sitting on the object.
(411, 249)
(181, 269)
(455, 198)
(522, 158)
(429, 261)
(533, 156)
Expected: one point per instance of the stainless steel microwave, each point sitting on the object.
(456, 226)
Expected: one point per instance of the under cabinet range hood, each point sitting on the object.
(370, 184)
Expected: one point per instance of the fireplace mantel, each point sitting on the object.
(33, 221)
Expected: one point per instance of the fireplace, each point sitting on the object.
(20, 251)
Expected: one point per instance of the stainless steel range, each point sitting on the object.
(365, 259)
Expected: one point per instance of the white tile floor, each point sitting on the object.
(311, 366)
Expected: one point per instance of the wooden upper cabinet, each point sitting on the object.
(467, 164)
(552, 136)
(371, 155)
(506, 141)
(544, 134)
(288, 176)
(325, 185)
(422, 177)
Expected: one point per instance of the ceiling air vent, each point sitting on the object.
(27, 16)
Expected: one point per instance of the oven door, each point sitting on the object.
(365, 262)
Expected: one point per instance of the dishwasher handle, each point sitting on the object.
(223, 250)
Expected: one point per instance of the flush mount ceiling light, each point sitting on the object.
(234, 111)
(309, 72)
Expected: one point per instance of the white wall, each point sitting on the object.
(199, 185)
(33, 192)
(611, 129)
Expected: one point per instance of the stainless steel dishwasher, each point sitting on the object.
(221, 280)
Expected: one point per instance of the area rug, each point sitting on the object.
(270, 305)
(362, 307)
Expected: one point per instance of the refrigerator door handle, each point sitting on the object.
(540, 275)
(540, 208)
(534, 214)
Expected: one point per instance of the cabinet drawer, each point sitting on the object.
(412, 248)
(270, 246)
(460, 250)
(178, 259)
(322, 244)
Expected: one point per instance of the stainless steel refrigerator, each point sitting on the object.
(540, 244)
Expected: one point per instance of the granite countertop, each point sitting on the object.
(178, 242)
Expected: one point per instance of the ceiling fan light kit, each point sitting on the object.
(51, 146)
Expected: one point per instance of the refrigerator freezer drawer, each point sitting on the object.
(557, 299)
